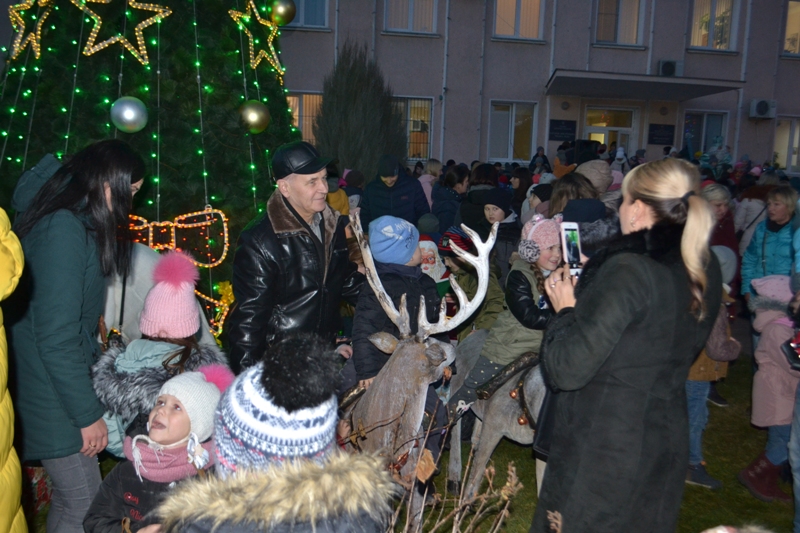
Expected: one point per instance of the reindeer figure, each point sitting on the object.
(388, 417)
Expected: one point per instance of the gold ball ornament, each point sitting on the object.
(283, 12)
(255, 116)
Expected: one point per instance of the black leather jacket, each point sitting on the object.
(285, 280)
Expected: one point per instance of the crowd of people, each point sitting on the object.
(630, 339)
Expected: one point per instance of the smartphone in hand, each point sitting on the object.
(571, 246)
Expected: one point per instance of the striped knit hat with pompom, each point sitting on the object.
(170, 308)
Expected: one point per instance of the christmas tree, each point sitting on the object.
(192, 66)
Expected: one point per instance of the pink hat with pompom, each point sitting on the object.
(538, 234)
(170, 308)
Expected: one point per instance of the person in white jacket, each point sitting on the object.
(749, 212)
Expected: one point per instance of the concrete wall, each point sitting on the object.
(482, 68)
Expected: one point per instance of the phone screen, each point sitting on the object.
(572, 253)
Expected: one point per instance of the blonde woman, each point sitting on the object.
(619, 351)
(430, 177)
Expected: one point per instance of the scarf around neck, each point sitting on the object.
(163, 465)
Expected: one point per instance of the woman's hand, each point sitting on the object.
(560, 288)
(95, 438)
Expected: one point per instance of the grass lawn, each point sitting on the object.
(730, 444)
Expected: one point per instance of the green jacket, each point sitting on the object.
(509, 339)
(54, 317)
(491, 307)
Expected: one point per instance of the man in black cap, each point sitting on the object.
(291, 267)
(393, 193)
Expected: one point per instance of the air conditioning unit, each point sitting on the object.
(763, 108)
(670, 68)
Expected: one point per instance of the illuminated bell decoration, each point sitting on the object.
(522, 420)
(255, 116)
(129, 114)
(283, 12)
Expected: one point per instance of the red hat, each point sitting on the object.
(459, 238)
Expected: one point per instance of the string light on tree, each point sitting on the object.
(34, 38)
(139, 51)
(243, 19)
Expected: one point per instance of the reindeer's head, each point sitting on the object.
(430, 355)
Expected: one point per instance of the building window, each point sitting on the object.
(411, 15)
(305, 108)
(712, 23)
(792, 39)
(618, 21)
(511, 131)
(416, 113)
(787, 143)
(310, 13)
(518, 18)
(706, 130)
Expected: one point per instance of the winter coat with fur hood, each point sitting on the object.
(127, 380)
(775, 383)
(347, 494)
(285, 280)
(620, 358)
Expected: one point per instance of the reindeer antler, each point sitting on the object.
(399, 318)
(465, 307)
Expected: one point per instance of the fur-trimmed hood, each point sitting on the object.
(127, 381)
(353, 492)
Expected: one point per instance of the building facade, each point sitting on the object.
(494, 79)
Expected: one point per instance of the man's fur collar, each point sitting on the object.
(284, 221)
(299, 492)
(662, 243)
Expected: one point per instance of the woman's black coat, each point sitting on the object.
(620, 359)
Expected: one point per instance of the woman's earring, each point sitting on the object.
(148, 426)
(633, 223)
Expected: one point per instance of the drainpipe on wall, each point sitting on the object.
(443, 96)
(652, 34)
(336, 34)
(480, 103)
(374, 24)
(553, 40)
(742, 75)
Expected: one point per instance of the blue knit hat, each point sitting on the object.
(392, 240)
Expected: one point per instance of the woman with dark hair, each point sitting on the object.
(521, 181)
(447, 196)
(74, 233)
(619, 348)
(483, 179)
(573, 186)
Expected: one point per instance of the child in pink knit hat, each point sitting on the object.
(177, 446)
(127, 379)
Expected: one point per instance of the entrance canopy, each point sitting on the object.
(589, 84)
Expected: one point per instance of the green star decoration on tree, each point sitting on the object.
(243, 19)
(139, 51)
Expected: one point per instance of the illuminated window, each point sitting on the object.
(787, 145)
(518, 18)
(705, 129)
(712, 21)
(411, 15)
(310, 13)
(511, 131)
(416, 113)
(618, 21)
(305, 108)
(792, 38)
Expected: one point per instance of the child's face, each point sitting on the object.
(416, 259)
(550, 258)
(453, 265)
(169, 421)
(493, 213)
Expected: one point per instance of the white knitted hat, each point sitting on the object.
(199, 397)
